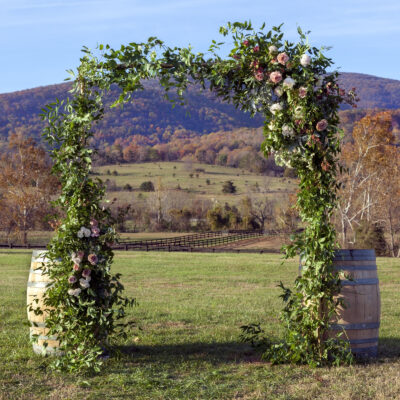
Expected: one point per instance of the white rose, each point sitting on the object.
(275, 107)
(71, 292)
(77, 292)
(289, 82)
(298, 112)
(305, 60)
(80, 234)
(278, 91)
(272, 49)
(84, 283)
(87, 232)
(287, 130)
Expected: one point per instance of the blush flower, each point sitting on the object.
(76, 267)
(259, 74)
(322, 125)
(275, 77)
(72, 279)
(86, 272)
(256, 49)
(305, 60)
(283, 58)
(245, 43)
(302, 92)
(92, 258)
(93, 222)
(95, 231)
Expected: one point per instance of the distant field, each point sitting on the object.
(172, 174)
(191, 307)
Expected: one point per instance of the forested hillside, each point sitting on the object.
(151, 119)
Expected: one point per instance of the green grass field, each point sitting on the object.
(172, 174)
(190, 309)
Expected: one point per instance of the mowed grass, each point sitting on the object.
(172, 174)
(190, 310)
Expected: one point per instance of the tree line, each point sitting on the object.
(368, 213)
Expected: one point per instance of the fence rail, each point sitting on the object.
(199, 242)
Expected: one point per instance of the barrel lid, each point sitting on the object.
(355, 254)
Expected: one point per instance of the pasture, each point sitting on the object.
(185, 346)
(192, 178)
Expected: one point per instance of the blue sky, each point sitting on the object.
(40, 39)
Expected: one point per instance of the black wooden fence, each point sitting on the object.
(200, 242)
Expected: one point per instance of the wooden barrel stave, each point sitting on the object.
(360, 320)
(36, 288)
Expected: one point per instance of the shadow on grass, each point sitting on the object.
(389, 347)
(214, 353)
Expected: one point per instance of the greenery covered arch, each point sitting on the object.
(289, 84)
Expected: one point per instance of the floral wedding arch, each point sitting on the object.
(290, 86)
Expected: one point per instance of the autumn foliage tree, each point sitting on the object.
(26, 186)
(370, 184)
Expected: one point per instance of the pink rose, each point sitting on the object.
(275, 77)
(259, 74)
(256, 49)
(93, 222)
(76, 267)
(245, 43)
(92, 258)
(283, 58)
(86, 272)
(72, 279)
(322, 125)
(302, 92)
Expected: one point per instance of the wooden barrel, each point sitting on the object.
(360, 320)
(37, 286)
(361, 317)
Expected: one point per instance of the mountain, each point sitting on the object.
(150, 117)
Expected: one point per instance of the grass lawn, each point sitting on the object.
(190, 309)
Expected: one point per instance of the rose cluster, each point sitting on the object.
(80, 274)
(287, 81)
(82, 264)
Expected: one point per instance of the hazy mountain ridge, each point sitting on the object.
(153, 118)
